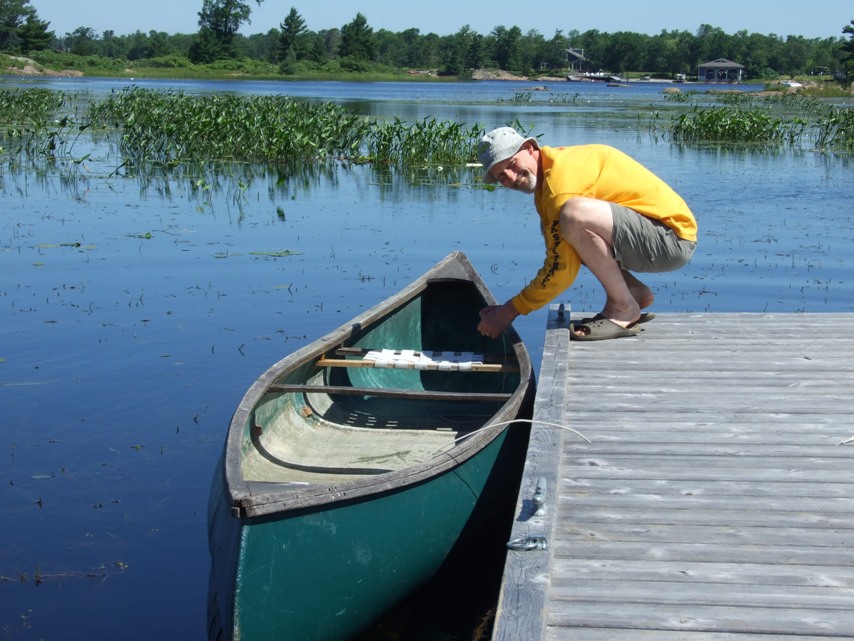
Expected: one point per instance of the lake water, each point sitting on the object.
(135, 312)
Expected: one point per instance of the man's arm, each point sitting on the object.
(496, 318)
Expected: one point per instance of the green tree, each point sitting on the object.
(506, 45)
(326, 44)
(219, 21)
(414, 50)
(554, 52)
(711, 44)
(462, 52)
(111, 46)
(824, 55)
(81, 41)
(357, 40)
(13, 15)
(294, 40)
(33, 35)
(627, 52)
(795, 55)
(757, 57)
(595, 46)
(847, 49)
(263, 46)
(529, 58)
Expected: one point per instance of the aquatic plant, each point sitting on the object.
(735, 124)
(426, 142)
(835, 130)
(172, 127)
(33, 107)
(39, 124)
(786, 120)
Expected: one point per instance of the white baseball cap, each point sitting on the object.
(497, 145)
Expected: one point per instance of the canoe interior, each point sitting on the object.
(320, 437)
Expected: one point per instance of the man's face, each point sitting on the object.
(519, 172)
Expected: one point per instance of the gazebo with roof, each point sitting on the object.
(720, 70)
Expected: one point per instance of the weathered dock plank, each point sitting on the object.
(715, 499)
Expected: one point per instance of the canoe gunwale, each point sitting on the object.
(256, 499)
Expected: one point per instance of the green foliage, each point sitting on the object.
(207, 48)
(726, 124)
(785, 120)
(35, 126)
(219, 21)
(507, 48)
(165, 62)
(428, 142)
(357, 40)
(170, 127)
(34, 107)
(294, 39)
(847, 50)
(835, 130)
(33, 35)
(57, 60)
(13, 14)
(354, 65)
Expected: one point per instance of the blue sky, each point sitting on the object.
(815, 19)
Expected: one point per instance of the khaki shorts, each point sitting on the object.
(643, 244)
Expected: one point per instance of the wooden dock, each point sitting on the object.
(715, 499)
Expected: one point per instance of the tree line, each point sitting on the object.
(294, 48)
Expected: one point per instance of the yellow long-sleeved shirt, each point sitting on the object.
(604, 173)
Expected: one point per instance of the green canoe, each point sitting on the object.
(354, 466)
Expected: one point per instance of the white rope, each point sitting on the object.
(525, 420)
(517, 420)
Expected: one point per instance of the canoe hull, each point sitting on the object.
(329, 573)
(322, 561)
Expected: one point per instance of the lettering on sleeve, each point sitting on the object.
(553, 255)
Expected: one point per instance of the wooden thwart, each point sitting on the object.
(427, 395)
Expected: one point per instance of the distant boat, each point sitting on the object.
(354, 466)
(595, 76)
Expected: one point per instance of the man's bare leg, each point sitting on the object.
(588, 225)
(640, 292)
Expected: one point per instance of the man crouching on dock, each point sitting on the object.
(600, 208)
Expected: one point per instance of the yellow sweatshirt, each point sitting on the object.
(604, 173)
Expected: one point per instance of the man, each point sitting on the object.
(597, 207)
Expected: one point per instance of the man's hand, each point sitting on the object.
(496, 318)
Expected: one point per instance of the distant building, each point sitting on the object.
(576, 61)
(720, 70)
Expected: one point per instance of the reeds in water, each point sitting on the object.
(426, 142)
(793, 121)
(169, 127)
(728, 124)
(32, 124)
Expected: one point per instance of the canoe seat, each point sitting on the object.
(424, 360)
